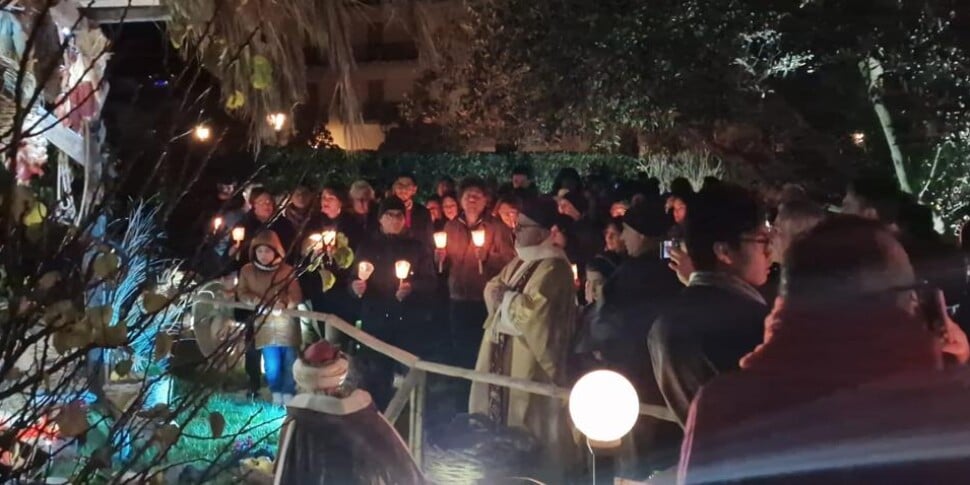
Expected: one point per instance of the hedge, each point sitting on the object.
(287, 167)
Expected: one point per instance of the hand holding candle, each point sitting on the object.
(402, 269)
(314, 243)
(440, 243)
(238, 234)
(478, 239)
(364, 270)
(216, 224)
(329, 237)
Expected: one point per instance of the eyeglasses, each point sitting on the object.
(766, 240)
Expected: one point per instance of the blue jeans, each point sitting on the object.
(278, 363)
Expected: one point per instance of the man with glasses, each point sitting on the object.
(719, 317)
(531, 316)
(417, 219)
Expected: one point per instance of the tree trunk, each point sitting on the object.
(872, 72)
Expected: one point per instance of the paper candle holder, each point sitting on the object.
(402, 269)
(440, 240)
(478, 238)
(364, 270)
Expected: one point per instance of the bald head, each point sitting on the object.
(845, 258)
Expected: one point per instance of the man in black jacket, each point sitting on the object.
(636, 293)
(391, 308)
(470, 267)
(720, 316)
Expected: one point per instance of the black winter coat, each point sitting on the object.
(381, 313)
(704, 333)
(421, 228)
(632, 299)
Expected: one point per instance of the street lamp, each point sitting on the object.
(604, 406)
(276, 121)
(202, 132)
(858, 138)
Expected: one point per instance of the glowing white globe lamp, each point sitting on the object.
(604, 406)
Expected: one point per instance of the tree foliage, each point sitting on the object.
(787, 71)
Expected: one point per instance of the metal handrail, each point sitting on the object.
(412, 361)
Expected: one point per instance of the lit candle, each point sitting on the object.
(216, 224)
(402, 269)
(478, 238)
(441, 240)
(329, 237)
(575, 272)
(364, 270)
(238, 234)
(314, 242)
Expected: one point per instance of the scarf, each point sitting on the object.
(727, 282)
(545, 250)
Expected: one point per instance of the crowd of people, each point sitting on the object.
(735, 309)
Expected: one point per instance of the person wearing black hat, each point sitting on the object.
(391, 307)
(582, 232)
(632, 298)
(531, 316)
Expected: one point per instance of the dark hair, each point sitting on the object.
(509, 199)
(407, 175)
(879, 193)
(615, 222)
(567, 174)
(916, 220)
(829, 261)
(449, 195)
(522, 170)
(258, 191)
(681, 187)
(447, 179)
(472, 183)
(433, 198)
(720, 215)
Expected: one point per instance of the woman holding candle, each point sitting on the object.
(392, 309)
(479, 246)
(330, 221)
